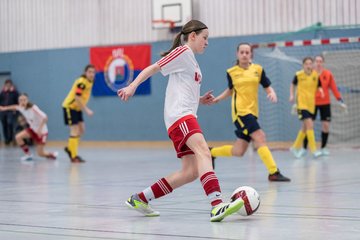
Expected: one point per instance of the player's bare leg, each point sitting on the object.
(20, 142)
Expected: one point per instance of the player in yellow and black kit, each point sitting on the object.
(73, 105)
(243, 83)
(307, 82)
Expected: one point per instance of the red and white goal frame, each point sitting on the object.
(312, 42)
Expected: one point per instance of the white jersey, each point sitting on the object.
(183, 89)
(34, 116)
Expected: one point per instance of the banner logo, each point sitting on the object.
(117, 66)
(118, 70)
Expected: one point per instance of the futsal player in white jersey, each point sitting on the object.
(181, 104)
(37, 130)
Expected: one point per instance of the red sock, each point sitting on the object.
(25, 148)
(211, 186)
(158, 189)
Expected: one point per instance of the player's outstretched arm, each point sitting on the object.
(334, 88)
(83, 106)
(225, 94)
(292, 88)
(42, 124)
(8, 108)
(337, 94)
(127, 92)
(271, 95)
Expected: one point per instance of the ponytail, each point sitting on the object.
(176, 43)
(191, 26)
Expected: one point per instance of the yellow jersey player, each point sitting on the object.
(243, 83)
(307, 82)
(73, 105)
(323, 104)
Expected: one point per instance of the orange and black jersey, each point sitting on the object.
(245, 83)
(327, 83)
(82, 87)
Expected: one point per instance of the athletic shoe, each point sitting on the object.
(77, 159)
(212, 159)
(293, 151)
(27, 157)
(68, 152)
(222, 210)
(301, 153)
(134, 202)
(52, 156)
(278, 177)
(325, 152)
(317, 154)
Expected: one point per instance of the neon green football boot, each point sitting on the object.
(134, 202)
(222, 210)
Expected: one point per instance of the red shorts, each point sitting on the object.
(39, 139)
(180, 131)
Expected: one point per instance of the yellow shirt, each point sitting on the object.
(306, 90)
(82, 87)
(245, 84)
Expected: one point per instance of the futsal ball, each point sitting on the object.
(250, 197)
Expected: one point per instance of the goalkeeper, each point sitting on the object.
(323, 104)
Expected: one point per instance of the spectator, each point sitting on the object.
(8, 96)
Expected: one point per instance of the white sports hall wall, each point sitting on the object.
(47, 24)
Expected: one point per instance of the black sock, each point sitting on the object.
(305, 143)
(324, 138)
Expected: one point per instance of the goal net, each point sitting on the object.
(281, 61)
